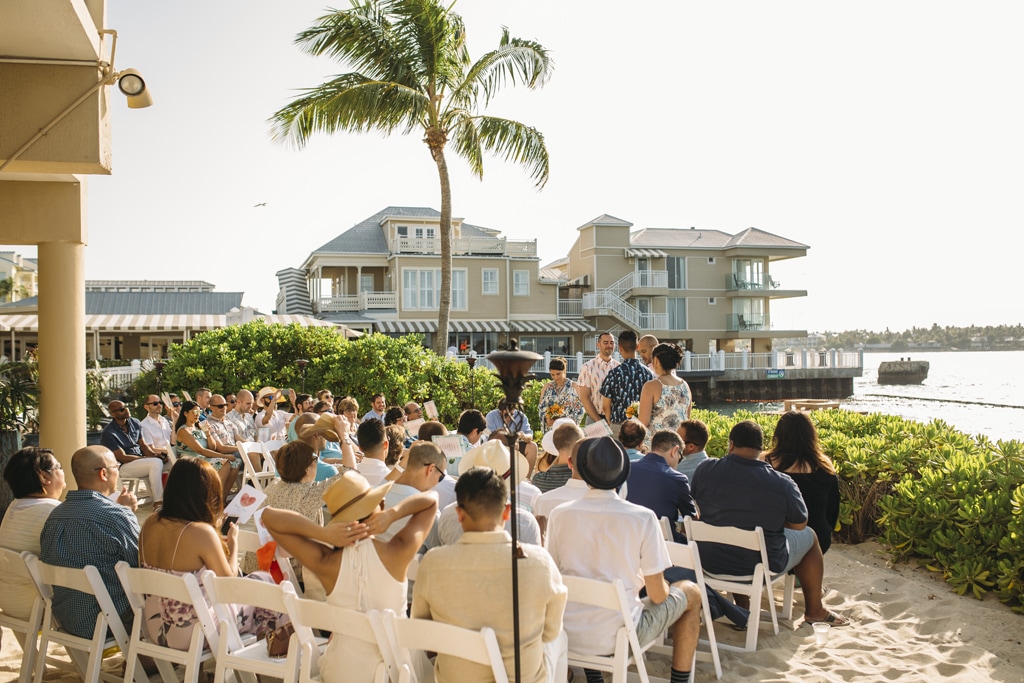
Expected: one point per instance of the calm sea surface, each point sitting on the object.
(978, 392)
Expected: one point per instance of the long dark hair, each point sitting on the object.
(795, 443)
(185, 407)
(193, 492)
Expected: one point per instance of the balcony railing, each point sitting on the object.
(740, 322)
(570, 308)
(357, 302)
(486, 246)
(736, 281)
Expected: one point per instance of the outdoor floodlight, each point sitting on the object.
(131, 83)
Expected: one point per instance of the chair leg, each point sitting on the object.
(787, 599)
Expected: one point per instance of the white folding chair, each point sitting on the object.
(250, 658)
(134, 485)
(259, 478)
(139, 583)
(86, 654)
(686, 556)
(666, 529)
(757, 584)
(12, 565)
(249, 542)
(307, 615)
(405, 635)
(611, 596)
(270, 449)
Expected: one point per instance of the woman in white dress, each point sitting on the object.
(367, 575)
(665, 401)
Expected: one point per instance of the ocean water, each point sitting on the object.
(978, 392)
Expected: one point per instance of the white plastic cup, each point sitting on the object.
(821, 632)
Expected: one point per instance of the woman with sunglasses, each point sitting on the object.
(193, 442)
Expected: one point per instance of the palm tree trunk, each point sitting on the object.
(445, 304)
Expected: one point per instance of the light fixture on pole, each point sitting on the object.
(159, 367)
(513, 370)
(302, 363)
(471, 361)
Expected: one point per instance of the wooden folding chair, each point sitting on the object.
(342, 623)
(248, 659)
(86, 654)
(139, 583)
(12, 565)
(611, 596)
(757, 584)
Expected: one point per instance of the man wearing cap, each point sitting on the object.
(495, 455)
(366, 579)
(629, 547)
(561, 440)
(654, 483)
(742, 490)
(269, 417)
(457, 584)
(123, 437)
(622, 385)
(592, 375)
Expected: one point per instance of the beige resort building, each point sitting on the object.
(705, 289)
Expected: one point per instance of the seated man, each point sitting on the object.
(461, 584)
(632, 435)
(654, 483)
(694, 434)
(495, 421)
(741, 490)
(629, 548)
(424, 469)
(90, 528)
(123, 438)
(572, 490)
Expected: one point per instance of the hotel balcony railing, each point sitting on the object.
(735, 281)
(357, 302)
(570, 308)
(487, 246)
(739, 322)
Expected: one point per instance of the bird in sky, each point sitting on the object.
(259, 205)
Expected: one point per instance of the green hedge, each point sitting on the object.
(927, 491)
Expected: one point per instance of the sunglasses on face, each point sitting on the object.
(153, 403)
(176, 404)
(222, 405)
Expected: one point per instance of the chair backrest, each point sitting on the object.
(225, 591)
(480, 647)
(139, 583)
(307, 615)
(249, 542)
(666, 528)
(250, 473)
(609, 595)
(12, 565)
(748, 539)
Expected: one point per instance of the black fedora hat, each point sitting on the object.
(602, 463)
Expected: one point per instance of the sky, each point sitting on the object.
(887, 136)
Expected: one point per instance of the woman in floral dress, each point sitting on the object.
(558, 398)
(194, 442)
(665, 401)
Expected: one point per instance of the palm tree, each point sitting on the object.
(414, 73)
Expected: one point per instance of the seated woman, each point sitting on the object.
(182, 539)
(370, 574)
(37, 480)
(322, 434)
(194, 442)
(796, 451)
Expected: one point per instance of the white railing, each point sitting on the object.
(500, 246)
(358, 302)
(736, 281)
(626, 312)
(570, 308)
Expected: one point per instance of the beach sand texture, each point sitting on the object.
(907, 626)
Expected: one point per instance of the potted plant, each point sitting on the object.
(19, 403)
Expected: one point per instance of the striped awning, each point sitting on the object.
(424, 326)
(552, 326)
(159, 322)
(646, 253)
(478, 326)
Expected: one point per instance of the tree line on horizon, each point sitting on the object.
(987, 337)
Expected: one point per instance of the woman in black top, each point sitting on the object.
(796, 451)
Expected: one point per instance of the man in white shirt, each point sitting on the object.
(571, 490)
(424, 469)
(373, 442)
(221, 428)
(592, 375)
(241, 416)
(630, 548)
(157, 431)
(269, 417)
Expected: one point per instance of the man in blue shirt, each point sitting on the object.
(90, 528)
(123, 437)
(654, 483)
(495, 422)
(622, 386)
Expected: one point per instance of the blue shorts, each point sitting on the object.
(799, 543)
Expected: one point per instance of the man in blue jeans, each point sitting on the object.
(741, 490)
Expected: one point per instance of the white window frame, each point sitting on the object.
(518, 275)
(363, 277)
(458, 289)
(484, 282)
(421, 289)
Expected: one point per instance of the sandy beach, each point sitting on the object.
(907, 626)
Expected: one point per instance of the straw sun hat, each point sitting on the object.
(324, 425)
(351, 497)
(548, 441)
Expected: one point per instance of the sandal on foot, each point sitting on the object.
(833, 620)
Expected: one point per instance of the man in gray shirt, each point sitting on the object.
(694, 434)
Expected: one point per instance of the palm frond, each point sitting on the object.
(350, 102)
(465, 140)
(504, 138)
(514, 61)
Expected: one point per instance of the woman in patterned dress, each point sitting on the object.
(194, 442)
(665, 401)
(559, 391)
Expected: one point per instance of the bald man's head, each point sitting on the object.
(95, 469)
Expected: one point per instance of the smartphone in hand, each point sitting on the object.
(228, 521)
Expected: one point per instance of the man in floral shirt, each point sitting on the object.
(622, 385)
(592, 374)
